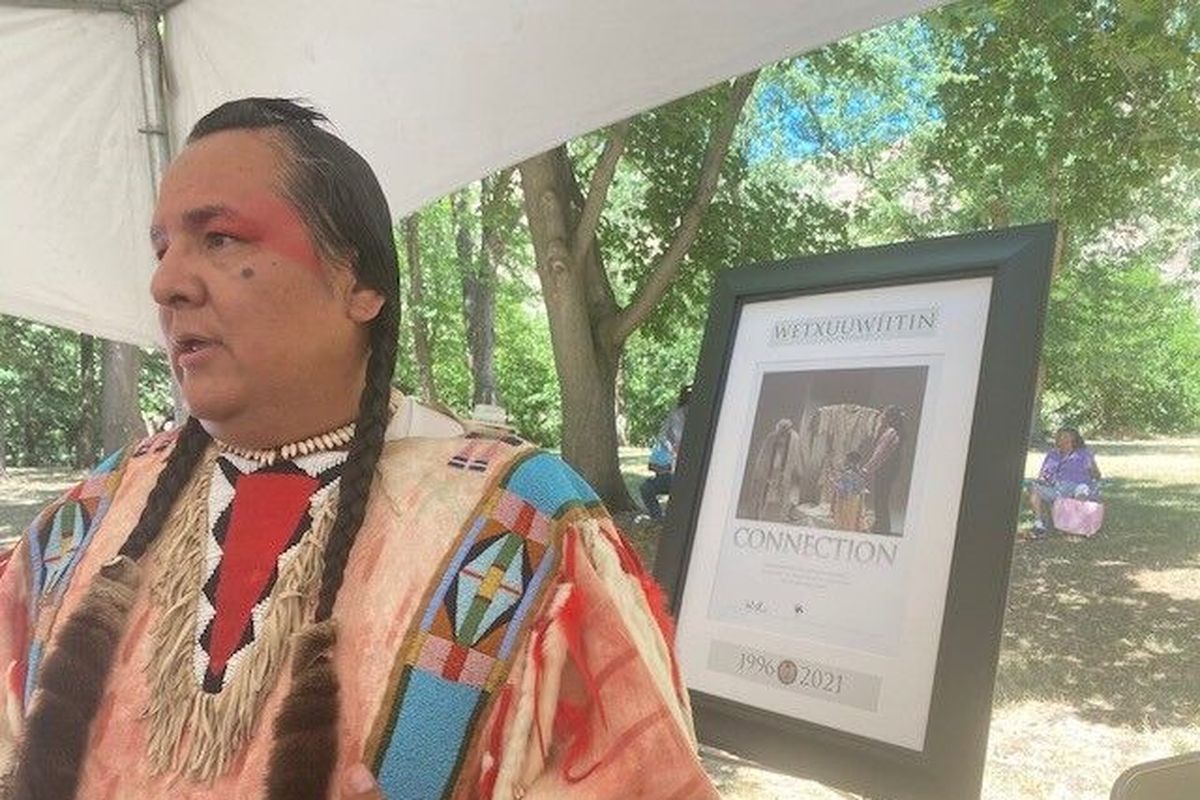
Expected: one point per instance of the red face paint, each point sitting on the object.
(228, 183)
(266, 221)
(271, 222)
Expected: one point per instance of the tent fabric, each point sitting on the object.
(75, 193)
(434, 93)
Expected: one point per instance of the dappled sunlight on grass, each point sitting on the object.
(1040, 749)
(32, 485)
(1087, 620)
(741, 779)
(1178, 584)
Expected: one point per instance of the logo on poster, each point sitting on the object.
(856, 327)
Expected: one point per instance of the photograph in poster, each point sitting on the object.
(833, 449)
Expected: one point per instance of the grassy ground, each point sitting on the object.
(1100, 666)
(23, 492)
(1100, 663)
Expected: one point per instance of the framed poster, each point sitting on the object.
(838, 544)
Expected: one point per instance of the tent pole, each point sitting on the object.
(116, 6)
(154, 107)
(146, 18)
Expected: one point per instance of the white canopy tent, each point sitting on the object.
(434, 93)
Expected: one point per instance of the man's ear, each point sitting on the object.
(363, 303)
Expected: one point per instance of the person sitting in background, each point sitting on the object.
(1068, 470)
(664, 454)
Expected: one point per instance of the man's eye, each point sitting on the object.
(214, 240)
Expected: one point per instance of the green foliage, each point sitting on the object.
(1071, 109)
(1122, 351)
(757, 214)
(852, 100)
(989, 114)
(39, 392)
(154, 388)
(525, 376)
(652, 372)
(41, 403)
(1085, 111)
(852, 123)
(441, 308)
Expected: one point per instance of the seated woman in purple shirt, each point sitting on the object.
(1069, 470)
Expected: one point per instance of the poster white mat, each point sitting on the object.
(854, 650)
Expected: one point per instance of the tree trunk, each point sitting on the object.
(587, 369)
(3, 441)
(998, 213)
(416, 293)
(26, 457)
(85, 436)
(120, 414)
(622, 420)
(1036, 434)
(479, 295)
(588, 328)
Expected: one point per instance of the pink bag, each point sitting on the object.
(1080, 517)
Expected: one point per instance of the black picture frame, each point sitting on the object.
(950, 766)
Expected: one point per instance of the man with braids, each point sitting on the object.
(319, 588)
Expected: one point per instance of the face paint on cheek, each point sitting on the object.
(283, 231)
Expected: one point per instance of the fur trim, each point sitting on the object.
(72, 684)
(306, 742)
(194, 732)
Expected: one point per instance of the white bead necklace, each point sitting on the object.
(333, 440)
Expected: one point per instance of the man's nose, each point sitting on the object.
(176, 281)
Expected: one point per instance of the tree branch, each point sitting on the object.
(602, 177)
(501, 184)
(667, 268)
(822, 136)
(495, 226)
(422, 344)
(601, 301)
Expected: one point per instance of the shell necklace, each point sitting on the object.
(331, 440)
